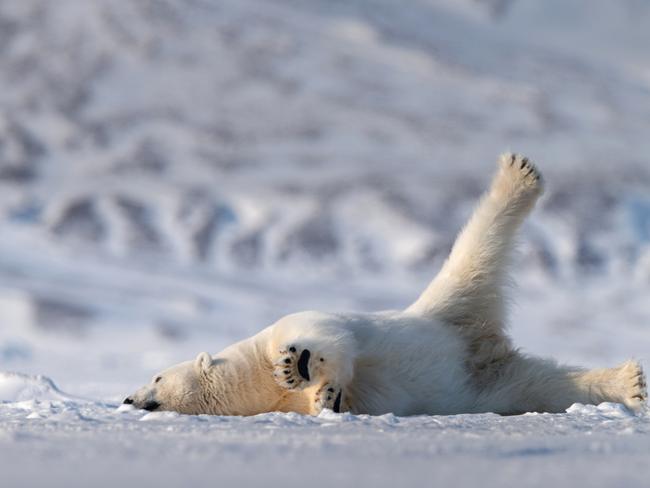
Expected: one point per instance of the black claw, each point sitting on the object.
(290, 381)
(523, 163)
(337, 403)
(287, 361)
(512, 159)
(303, 362)
(292, 349)
(286, 371)
(331, 390)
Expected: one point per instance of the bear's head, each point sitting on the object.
(181, 388)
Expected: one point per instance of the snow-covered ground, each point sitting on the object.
(176, 175)
(68, 442)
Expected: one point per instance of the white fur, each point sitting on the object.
(447, 353)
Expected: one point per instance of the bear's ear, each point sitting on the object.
(203, 362)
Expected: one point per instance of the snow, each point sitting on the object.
(176, 175)
(72, 443)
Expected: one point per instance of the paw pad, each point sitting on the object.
(328, 396)
(292, 367)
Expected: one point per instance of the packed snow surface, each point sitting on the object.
(71, 443)
(177, 174)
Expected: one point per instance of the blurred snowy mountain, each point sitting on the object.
(208, 165)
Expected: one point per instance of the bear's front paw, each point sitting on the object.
(291, 369)
(328, 396)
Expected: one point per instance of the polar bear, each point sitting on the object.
(447, 353)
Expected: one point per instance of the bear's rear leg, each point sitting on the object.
(625, 384)
(528, 384)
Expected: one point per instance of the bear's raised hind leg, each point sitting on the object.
(468, 290)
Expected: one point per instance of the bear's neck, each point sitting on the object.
(245, 384)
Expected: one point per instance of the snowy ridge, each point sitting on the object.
(118, 160)
(16, 387)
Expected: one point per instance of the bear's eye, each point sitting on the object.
(157, 379)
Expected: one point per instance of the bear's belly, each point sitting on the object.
(436, 384)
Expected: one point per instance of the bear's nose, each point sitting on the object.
(128, 400)
(152, 405)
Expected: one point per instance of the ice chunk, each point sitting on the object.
(159, 416)
(125, 407)
(605, 410)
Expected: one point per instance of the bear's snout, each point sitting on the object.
(151, 405)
